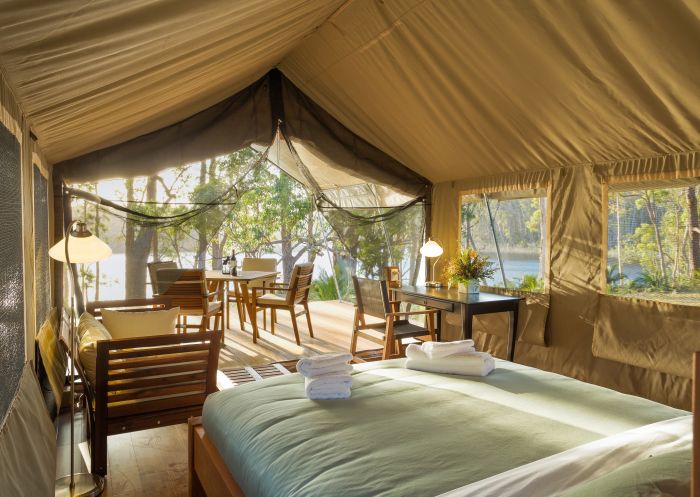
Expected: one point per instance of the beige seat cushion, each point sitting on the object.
(124, 324)
(53, 356)
(271, 298)
(91, 331)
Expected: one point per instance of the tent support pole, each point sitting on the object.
(495, 240)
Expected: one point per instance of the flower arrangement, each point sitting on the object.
(468, 266)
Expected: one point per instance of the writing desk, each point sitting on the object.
(468, 305)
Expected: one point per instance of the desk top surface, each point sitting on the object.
(453, 295)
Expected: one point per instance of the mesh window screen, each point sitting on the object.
(42, 269)
(11, 269)
(654, 241)
(196, 215)
(518, 231)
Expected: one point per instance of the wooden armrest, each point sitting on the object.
(156, 340)
(412, 313)
(125, 304)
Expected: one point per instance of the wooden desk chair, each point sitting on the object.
(233, 294)
(189, 290)
(153, 268)
(373, 300)
(293, 295)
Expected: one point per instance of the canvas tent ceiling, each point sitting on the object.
(452, 89)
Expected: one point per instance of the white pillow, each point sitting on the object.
(91, 332)
(122, 324)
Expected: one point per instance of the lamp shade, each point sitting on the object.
(431, 249)
(81, 250)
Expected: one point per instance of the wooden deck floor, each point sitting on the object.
(332, 323)
(153, 463)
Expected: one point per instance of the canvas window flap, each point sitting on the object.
(647, 334)
(27, 443)
(532, 317)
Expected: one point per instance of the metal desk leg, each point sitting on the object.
(467, 318)
(513, 335)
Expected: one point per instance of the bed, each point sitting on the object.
(402, 433)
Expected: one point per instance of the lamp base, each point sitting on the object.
(433, 284)
(86, 485)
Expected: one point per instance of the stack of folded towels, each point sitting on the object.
(449, 357)
(326, 376)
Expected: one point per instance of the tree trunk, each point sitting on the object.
(137, 246)
(287, 257)
(619, 240)
(694, 228)
(201, 225)
(543, 237)
(651, 210)
(217, 253)
(155, 250)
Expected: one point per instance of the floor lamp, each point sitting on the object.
(79, 246)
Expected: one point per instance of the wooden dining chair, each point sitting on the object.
(189, 290)
(276, 296)
(233, 294)
(153, 268)
(372, 297)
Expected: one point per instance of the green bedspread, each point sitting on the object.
(408, 433)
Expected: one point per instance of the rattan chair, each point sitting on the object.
(373, 300)
(276, 296)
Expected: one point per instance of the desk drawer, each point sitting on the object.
(428, 302)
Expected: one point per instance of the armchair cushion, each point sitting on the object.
(53, 357)
(91, 331)
(124, 324)
(270, 298)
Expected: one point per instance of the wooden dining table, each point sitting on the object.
(241, 283)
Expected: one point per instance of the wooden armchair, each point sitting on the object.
(189, 290)
(373, 300)
(147, 382)
(293, 295)
(153, 268)
(233, 294)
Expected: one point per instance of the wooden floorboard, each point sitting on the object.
(153, 463)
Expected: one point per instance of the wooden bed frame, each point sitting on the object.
(209, 476)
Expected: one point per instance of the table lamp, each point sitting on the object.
(429, 250)
(78, 246)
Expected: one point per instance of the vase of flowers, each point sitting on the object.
(467, 269)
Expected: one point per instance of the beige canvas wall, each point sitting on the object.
(577, 268)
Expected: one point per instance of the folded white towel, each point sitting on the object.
(435, 350)
(334, 369)
(323, 364)
(469, 364)
(328, 387)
